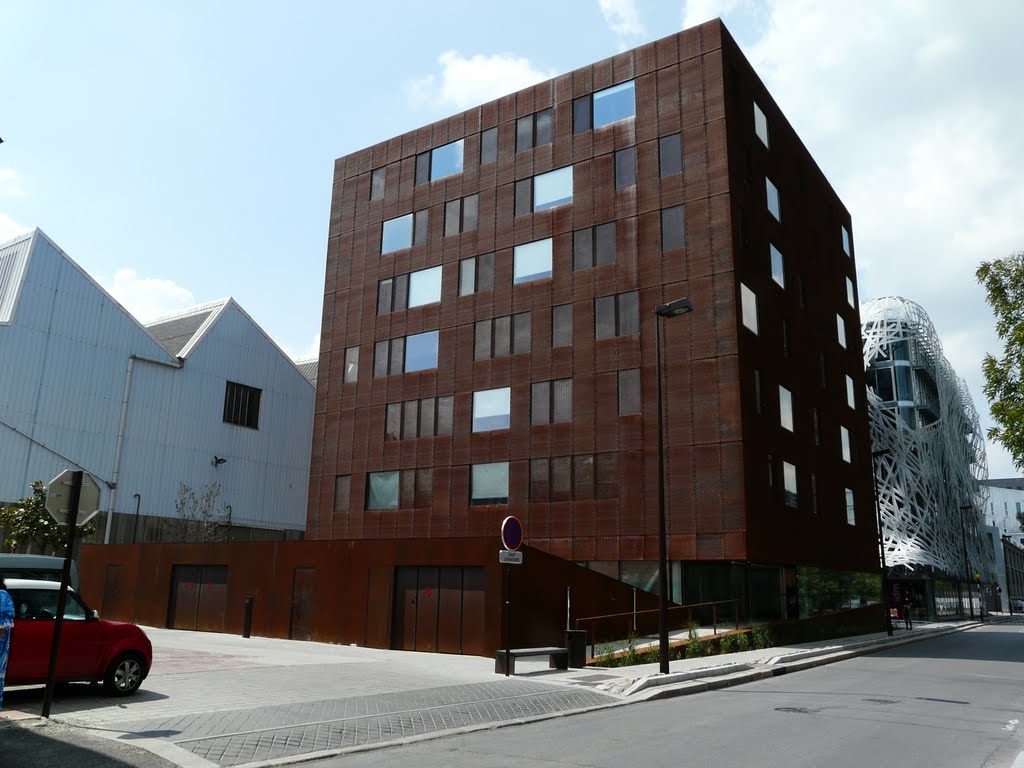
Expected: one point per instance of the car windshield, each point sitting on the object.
(42, 604)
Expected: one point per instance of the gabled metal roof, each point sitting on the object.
(308, 368)
(13, 263)
(174, 332)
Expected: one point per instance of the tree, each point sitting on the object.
(1003, 280)
(198, 518)
(28, 527)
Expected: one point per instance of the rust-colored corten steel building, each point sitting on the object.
(489, 333)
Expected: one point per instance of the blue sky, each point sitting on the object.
(182, 152)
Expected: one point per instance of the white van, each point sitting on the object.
(37, 567)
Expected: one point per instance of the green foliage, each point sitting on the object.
(728, 644)
(743, 642)
(762, 636)
(1003, 280)
(27, 526)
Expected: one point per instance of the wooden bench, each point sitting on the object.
(558, 658)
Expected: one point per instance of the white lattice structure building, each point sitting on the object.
(930, 450)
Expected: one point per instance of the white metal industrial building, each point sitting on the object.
(204, 399)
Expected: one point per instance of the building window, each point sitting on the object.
(604, 107)
(757, 392)
(673, 228)
(488, 146)
(760, 125)
(403, 232)
(625, 168)
(546, 190)
(561, 325)
(816, 426)
(850, 298)
(778, 267)
(405, 355)
(382, 490)
(814, 493)
(439, 163)
(242, 405)
(412, 290)
(789, 485)
(786, 408)
(773, 199)
(574, 478)
(851, 397)
(476, 274)
(617, 315)
(461, 215)
(593, 246)
(535, 130)
(502, 336)
(342, 492)
(551, 402)
(846, 240)
(851, 512)
(670, 154)
(488, 483)
(351, 364)
(748, 302)
(844, 439)
(429, 417)
(377, 184)
(629, 392)
(492, 409)
(841, 330)
(531, 261)
(421, 351)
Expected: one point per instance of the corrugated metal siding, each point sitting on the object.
(13, 259)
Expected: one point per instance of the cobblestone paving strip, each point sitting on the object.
(265, 733)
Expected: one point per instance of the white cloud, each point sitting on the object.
(147, 298)
(622, 18)
(698, 11)
(9, 228)
(464, 82)
(10, 183)
(309, 352)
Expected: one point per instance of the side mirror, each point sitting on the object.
(94, 615)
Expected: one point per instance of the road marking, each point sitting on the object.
(1010, 725)
(998, 677)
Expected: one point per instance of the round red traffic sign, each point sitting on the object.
(511, 533)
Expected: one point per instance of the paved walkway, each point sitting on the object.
(222, 700)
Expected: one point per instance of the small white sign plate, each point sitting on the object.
(510, 558)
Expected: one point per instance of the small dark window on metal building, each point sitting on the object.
(670, 154)
(242, 405)
(377, 184)
(625, 168)
(535, 130)
(488, 146)
(594, 246)
(673, 228)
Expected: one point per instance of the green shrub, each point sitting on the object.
(728, 643)
(762, 636)
(743, 641)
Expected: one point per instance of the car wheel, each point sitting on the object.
(124, 675)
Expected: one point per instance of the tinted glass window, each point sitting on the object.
(561, 325)
(382, 490)
(561, 401)
(377, 184)
(532, 261)
(583, 248)
(470, 207)
(524, 133)
(524, 197)
(488, 146)
(467, 277)
(613, 104)
(749, 307)
(772, 194)
(393, 421)
(491, 409)
(444, 415)
(629, 313)
(489, 483)
(760, 125)
(604, 244)
(778, 268)
(629, 392)
(561, 479)
(422, 168)
(521, 333)
(552, 189)
(539, 486)
(396, 234)
(625, 168)
(419, 235)
(351, 364)
(425, 287)
(452, 217)
(581, 115)
(421, 351)
(604, 317)
(673, 229)
(670, 154)
(446, 160)
(544, 127)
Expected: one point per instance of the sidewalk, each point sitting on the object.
(222, 700)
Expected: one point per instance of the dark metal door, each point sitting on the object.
(303, 584)
(449, 619)
(403, 617)
(185, 581)
(474, 617)
(426, 609)
(213, 599)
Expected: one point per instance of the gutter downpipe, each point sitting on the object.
(121, 430)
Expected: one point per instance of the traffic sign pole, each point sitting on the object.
(62, 597)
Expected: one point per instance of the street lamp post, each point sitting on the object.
(671, 309)
(881, 543)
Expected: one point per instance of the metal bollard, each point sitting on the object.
(247, 621)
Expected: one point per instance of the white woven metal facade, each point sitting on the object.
(928, 444)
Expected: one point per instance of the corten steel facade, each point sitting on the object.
(731, 463)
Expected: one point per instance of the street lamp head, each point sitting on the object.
(673, 308)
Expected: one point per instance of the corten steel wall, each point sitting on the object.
(354, 586)
(809, 236)
(719, 505)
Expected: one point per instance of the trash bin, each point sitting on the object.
(576, 643)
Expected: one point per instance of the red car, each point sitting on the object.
(91, 650)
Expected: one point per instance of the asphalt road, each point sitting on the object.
(952, 702)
